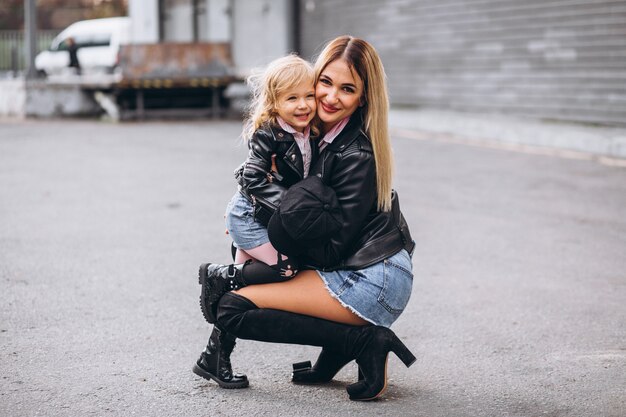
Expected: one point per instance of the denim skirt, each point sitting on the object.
(378, 293)
(246, 232)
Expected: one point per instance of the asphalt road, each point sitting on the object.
(518, 307)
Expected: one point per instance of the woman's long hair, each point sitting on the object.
(363, 60)
(267, 86)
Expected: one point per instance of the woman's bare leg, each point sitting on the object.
(304, 294)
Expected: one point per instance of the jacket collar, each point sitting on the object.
(281, 135)
(353, 130)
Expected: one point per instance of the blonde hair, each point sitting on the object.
(280, 76)
(363, 59)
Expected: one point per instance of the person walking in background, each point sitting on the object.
(361, 278)
(72, 49)
(280, 153)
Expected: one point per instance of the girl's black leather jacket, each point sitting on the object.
(257, 181)
(367, 236)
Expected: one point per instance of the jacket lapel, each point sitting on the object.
(348, 134)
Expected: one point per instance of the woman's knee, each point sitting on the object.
(231, 310)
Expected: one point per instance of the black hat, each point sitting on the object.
(308, 215)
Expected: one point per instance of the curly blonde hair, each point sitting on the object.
(266, 87)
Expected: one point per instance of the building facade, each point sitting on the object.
(551, 59)
(257, 30)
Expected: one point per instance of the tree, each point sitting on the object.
(11, 14)
(57, 14)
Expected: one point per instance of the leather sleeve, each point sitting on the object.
(254, 176)
(354, 182)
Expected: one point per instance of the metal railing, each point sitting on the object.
(12, 57)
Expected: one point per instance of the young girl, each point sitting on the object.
(280, 154)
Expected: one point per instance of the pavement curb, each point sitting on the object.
(529, 135)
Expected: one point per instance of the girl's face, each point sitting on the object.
(338, 93)
(296, 106)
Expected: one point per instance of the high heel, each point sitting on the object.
(402, 352)
(372, 360)
(328, 364)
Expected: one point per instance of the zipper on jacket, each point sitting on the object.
(255, 165)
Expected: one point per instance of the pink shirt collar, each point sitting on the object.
(289, 129)
(302, 140)
(330, 136)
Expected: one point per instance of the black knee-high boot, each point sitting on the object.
(328, 364)
(369, 345)
(214, 362)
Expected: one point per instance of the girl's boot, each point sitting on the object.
(214, 362)
(216, 280)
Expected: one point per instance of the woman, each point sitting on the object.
(366, 279)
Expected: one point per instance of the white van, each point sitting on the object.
(98, 43)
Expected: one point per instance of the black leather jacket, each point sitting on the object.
(258, 182)
(367, 236)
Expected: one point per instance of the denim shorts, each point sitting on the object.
(378, 293)
(246, 232)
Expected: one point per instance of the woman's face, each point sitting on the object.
(338, 93)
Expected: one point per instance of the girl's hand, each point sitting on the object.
(273, 174)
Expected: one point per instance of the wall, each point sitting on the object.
(12, 97)
(145, 20)
(218, 21)
(212, 17)
(178, 21)
(261, 32)
(258, 30)
(559, 59)
(42, 99)
(45, 99)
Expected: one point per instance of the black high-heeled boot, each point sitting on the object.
(328, 364)
(377, 342)
(369, 345)
(214, 362)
